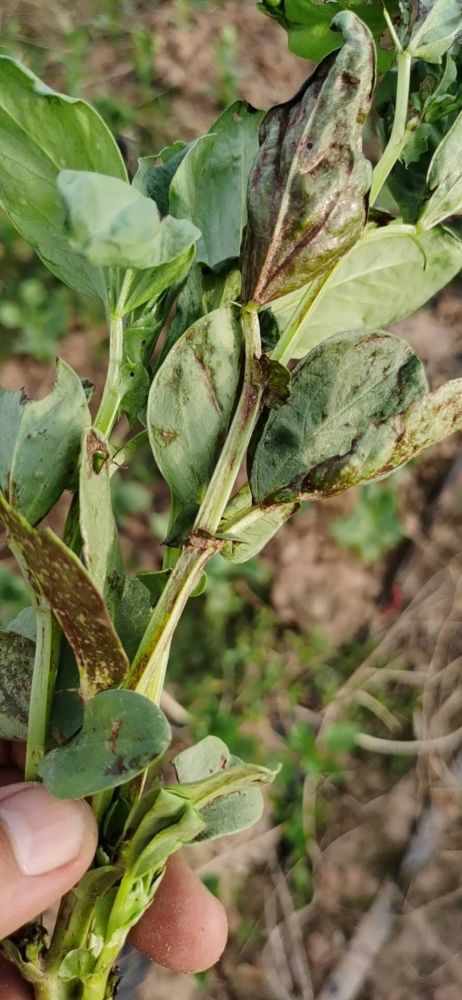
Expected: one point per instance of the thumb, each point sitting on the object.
(46, 845)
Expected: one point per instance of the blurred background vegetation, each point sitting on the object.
(346, 629)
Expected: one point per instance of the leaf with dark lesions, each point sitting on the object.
(308, 187)
(31, 431)
(339, 390)
(191, 402)
(16, 666)
(122, 733)
(74, 599)
(390, 443)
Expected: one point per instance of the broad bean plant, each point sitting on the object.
(248, 278)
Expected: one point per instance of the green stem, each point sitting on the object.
(43, 682)
(148, 670)
(242, 426)
(286, 345)
(110, 402)
(396, 142)
(55, 989)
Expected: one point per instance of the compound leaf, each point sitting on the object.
(339, 390)
(210, 182)
(31, 431)
(122, 733)
(191, 402)
(42, 132)
(307, 189)
(75, 601)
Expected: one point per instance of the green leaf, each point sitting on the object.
(77, 964)
(113, 225)
(227, 781)
(122, 733)
(229, 813)
(24, 623)
(249, 526)
(276, 379)
(391, 443)
(339, 390)
(308, 22)
(438, 26)
(389, 274)
(209, 185)
(199, 761)
(191, 402)
(101, 548)
(75, 601)
(203, 292)
(16, 666)
(155, 173)
(133, 614)
(31, 431)
(307, 189)
(445, 179)
(165, 827)
(42, 132)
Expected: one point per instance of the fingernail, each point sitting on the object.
(44, 833)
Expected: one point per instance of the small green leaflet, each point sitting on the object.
(438, 26)
(122, 733)
(113, 225)
(76, 603)
(342, 387)
(386, 276)
(229, 813)
(155, 173)
(42, 132)
(307, 189)
(308, 23)
(191, 402)
(444, 179)
(388, 444)
(210, 182)
(101, 548)
(16, 666)
(31, 431)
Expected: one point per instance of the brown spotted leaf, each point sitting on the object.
(391, 443)
(16, 665)
(75, 601)
(308, 187)
(339, 391)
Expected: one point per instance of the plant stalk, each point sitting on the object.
(397, 138)
(43, 682)
(148, 669)
(109, 406)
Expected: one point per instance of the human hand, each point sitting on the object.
(47, 844)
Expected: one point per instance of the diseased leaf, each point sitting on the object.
(388, 444)
(191, 402)
(42, 132)
(342, 387)
(209, 185)
(249, 526)
(445, 179)
(155, 173)
(113, 225)
(389, 274)
(199, 761)
(133, 614)
(307, 189)
(16, 668)
(276, 380)
(438, 26)
(76, 603)
(203, 292)
(122, 733)
(230, 813)
(101, 548)
(308, 23)
(31, 431)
